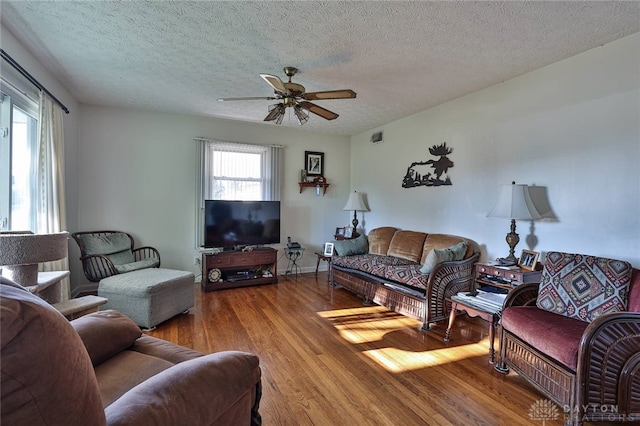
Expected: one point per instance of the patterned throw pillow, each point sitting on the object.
(583, 287)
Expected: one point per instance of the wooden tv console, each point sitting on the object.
(239, 268)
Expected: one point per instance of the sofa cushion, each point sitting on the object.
(554, 335)
(583, 287)
(37, 339)
(151, 262)
(379, 240)
(106, 333)
(353, 246)
(407, 245)
(391, 268)
(105, 244)
(448, 254)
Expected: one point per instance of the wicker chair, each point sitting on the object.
(113, 254)
(601, 382)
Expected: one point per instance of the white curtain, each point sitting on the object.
(51, 206)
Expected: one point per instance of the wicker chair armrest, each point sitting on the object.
(609, 362)
(97, 267)
(146, 252)
(447, 279)
(522, 295)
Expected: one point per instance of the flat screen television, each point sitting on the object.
(229, 224)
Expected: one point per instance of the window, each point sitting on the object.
(236, 171)
(18, 157)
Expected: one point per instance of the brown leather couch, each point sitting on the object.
(100, 369)
(387, 267)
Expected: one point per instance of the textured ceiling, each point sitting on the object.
(400, 57)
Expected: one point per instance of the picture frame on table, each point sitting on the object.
(528, 260)
(348, 232)
(328, 249)
(314, 163)
(339, 235)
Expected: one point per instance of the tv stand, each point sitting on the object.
(245, 268)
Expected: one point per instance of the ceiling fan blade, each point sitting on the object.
(247, 99)
(318, 110)
(330, 94)
(275, 82)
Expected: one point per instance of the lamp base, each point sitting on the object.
(512, 240)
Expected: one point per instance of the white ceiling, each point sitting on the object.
(400, 57)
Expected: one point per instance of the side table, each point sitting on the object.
(293, 255)
(325, 258)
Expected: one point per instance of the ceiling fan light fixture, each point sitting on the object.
(276, 113)
(302, 116)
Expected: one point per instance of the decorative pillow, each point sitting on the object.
(583, 287)
(357, 245)
(448, 254)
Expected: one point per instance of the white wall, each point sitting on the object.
(137, 173)
(573, 126)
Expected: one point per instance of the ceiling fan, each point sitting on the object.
(293, 95)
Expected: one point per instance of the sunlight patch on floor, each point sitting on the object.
(367, 324)
(371, 323)
(398, 361)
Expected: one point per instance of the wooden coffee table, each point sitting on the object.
(486, 313)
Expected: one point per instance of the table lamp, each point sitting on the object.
(514, 202)
(356, 203)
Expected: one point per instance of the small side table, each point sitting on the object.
(473, 310)
(293, 255)
(322, 257)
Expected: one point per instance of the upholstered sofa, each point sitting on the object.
(576, 337)
(412, 273)
(99, 369)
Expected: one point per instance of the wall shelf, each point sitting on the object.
(313, 185)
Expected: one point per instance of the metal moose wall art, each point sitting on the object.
(429, 173)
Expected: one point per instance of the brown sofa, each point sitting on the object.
(99, 369)
(576, 337)
(389, 272)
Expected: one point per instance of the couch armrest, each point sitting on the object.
(608, 371)
(445, 280)
(522, 295)
(199, 392)
(106, 333)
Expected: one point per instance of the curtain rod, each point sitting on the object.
(31, 79)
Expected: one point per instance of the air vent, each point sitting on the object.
(376, 137)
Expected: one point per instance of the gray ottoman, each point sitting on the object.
(149, 296)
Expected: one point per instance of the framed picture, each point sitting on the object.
(328, 249)
(314, 163)
(348, 232)
(339, 235)
(528, 260)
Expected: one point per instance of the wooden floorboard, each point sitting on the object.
(327, 359)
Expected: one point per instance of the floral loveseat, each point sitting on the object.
(412, 273)
(576, 336)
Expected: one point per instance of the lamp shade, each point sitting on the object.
(539, 197)
(356, 202)
(514, 202)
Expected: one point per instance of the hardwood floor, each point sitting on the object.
(328, 360)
